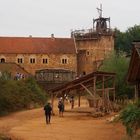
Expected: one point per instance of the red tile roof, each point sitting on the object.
(34, 45)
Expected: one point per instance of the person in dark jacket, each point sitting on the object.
(48, 110)
(61, 108)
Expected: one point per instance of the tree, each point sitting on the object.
(123, 40)
(118, 63)
(20, 94)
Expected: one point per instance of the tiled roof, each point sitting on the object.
(34, 45)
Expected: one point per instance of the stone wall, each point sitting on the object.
(53, 61)
(93, 51)
(90, 53)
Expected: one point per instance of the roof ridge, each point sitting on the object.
(36, 37)
(37, 45)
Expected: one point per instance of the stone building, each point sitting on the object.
(93, 45)
(39, 53)
(83, 53)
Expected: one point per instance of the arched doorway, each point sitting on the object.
(2, 60)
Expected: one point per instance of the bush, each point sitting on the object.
(17, 95)
(130, 117)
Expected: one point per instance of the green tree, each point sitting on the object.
(118, 63)
(20, 94)
(123, 40)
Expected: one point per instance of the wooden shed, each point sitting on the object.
(99, 85)
(133, 76)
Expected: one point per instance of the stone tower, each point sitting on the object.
(93, 44)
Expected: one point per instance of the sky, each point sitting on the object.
(41, 18)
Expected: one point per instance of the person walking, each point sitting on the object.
(61, 108)
(72, 102)
(48, 110)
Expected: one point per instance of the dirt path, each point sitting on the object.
(30, 125)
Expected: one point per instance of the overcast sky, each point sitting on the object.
(41, 18)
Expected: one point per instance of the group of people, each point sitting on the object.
(48, 110)
(19, 76)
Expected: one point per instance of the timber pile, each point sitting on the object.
(102, 104)
(87, 110)
(98, 114)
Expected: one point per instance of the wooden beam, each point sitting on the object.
(82, 82)
(90, 93)
(105, 88)
(94, 86)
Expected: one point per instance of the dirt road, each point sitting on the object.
(30, 125)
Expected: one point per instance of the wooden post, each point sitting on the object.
(94, 92)
(79, 97)
(94, 86)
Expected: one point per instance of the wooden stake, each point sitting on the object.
(79, 99)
